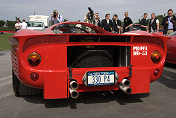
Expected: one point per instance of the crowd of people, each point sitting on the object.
(168, 23)
(150, 25)
(20, 25)
(115, 25)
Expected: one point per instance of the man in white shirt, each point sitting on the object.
(23, 24)
(17, 25)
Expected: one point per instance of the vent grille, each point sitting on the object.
(98, 38)
(43, 40)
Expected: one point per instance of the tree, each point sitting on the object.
(10, 24)
(2, 23)
(160, 18)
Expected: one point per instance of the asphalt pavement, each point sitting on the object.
(160, 103)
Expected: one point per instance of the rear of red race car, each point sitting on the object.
(63, 65)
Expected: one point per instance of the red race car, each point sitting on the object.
(72, 57)
(171, 49)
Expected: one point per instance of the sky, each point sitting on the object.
(74, 10)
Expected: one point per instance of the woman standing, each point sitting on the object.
(17, 25)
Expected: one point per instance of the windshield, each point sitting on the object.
(72, 28)
(35, 24)
(136, 27)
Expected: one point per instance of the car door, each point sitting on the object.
(171, 49)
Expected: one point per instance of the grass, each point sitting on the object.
(4, 44)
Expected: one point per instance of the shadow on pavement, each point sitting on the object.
(1, 54)
(170, 65)
(169, 76)
(88, 98)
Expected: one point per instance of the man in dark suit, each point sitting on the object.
(116, 24)
(106, 23)
(143, 23)
(96, 21)
(169, 23)
(127, 23)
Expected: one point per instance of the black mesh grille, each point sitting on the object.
(99, 38)
(43, 40)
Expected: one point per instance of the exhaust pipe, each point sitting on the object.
(74, 84)
(126, 82)
(73, 93)
(125, 89)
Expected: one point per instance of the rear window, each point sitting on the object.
(72, 28)
(35, 24)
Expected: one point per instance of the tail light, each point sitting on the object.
(34, 59)
(156, 57)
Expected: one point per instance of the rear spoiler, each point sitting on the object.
(80, 38)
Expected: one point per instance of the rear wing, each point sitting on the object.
(28, 41)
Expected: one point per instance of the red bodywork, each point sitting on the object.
(53, 71)
(171, 50)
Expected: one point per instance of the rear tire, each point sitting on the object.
(15, 83)
(95, 59)
(22, 90)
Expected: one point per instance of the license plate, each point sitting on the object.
(100, 78)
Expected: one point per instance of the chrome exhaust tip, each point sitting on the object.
(74, 84)
(74, 94)
(125, 89)
(126, 82)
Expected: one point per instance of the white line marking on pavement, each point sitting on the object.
(5, 78)
(6, 94)
(167, 77)
(170, 70)
(5, 83)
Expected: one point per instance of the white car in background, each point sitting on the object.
(38, 22)
(33, 25)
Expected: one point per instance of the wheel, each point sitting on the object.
(95, 59)
(15, 83)
(22, 90)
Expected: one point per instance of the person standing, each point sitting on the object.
(96, 21)
(153, 23)
(116, 24)
(86, 18)
(23, 24)
(106, 23)
(169, 23)
(127, 23)
(56, 18)
(17, 25)
(143, 23)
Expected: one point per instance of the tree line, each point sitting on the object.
(7, 25)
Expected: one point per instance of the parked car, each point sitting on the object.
(32, 25)
(65, 60)
(136, 27)
(171, 49)
(40, 18)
